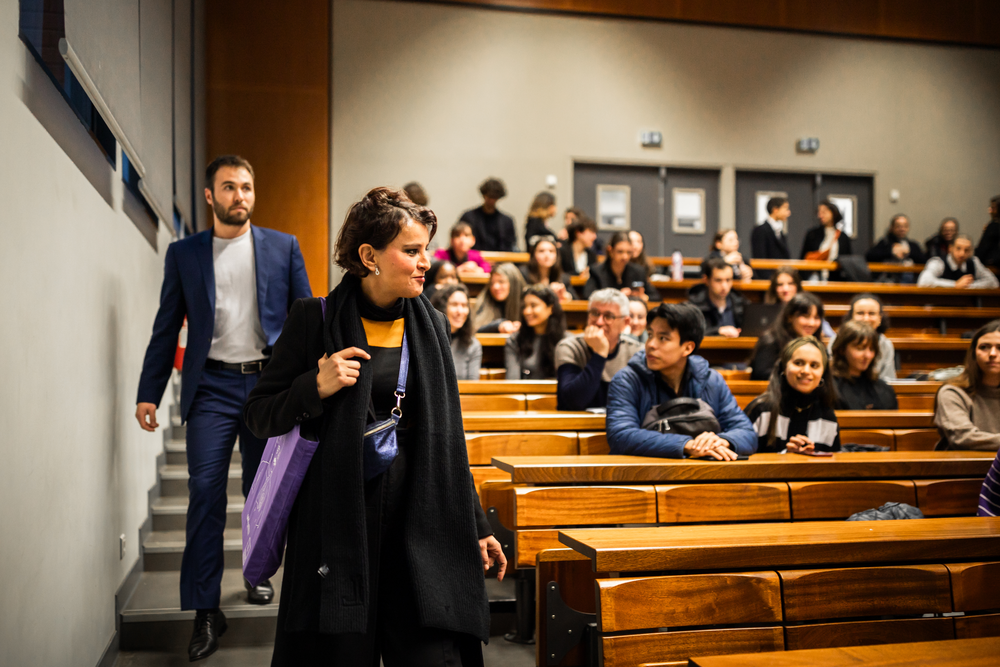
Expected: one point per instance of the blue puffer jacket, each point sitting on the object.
(633, 393)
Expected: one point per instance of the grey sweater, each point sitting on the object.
(968, 422)
(524, 368)
(468, 359)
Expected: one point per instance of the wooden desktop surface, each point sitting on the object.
(774, 545)
(759, 467)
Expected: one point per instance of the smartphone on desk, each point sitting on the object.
(814, 452)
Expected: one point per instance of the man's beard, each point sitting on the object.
(236, 218)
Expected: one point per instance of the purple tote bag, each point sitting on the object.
(275, 486)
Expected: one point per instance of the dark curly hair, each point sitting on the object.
(554, 332)
(376, 220)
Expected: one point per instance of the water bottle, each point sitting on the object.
(677, 266)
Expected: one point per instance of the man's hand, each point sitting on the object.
(339, 370)
(491, 552)
(709, 445)
(899, 250)
(509, 327)
(964, 281)
(729, 332)
(146, 414)
(800, 444)
(595, 339)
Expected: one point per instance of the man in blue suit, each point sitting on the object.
(235, 284)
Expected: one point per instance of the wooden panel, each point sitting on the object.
(869, 436)
(529, 543)
(860, 633)
(973, 627)
(948, 497)
(594, 443)
(759, 467)
(895, 419)
(575, 577)
(540, 420)
(480, 402)
(945, 653)
(583, 505)
(481, 474)
(658, 647)
(775, 545)
(865, 591)
(705, 503)
(839, 500)
(500, 495)
(267, 86)
(492, 374)
(688, 600)
(975, 586)
(916, 402)
(540, 402)
(506, 386)
(482, 447)
(917, 439)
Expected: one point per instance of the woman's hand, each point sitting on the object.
(734, 258)
(746, 273)
(560, 291)
(509, 327)
(339, 370)
(800, 444)
(491, 552)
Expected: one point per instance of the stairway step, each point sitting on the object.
(153, 620)
(174, 480)
(164, 549)
(176, 450)
(170, 512)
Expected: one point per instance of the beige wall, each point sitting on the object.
(448, 95)
(80, 289)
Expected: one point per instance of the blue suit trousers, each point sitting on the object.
(213, 424)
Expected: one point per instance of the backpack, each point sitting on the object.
(682, 416)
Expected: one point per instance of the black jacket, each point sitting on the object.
(601, 276)
(988, 250)
(765, 355)
(443, 520)
(493, 231)
(765, 244)
(566, 258)
(937, 247)
(882, 252)
(814, 238)
(863, 394)
(698, 295)
(535, 227)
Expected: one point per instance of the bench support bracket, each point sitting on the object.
(567, 627)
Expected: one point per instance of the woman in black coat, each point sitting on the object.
(853, 357)
(826, 241)
(387, 561)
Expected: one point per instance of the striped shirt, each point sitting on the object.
(989, 496)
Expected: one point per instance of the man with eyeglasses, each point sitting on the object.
(585, 363)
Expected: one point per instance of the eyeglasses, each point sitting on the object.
(597, 314)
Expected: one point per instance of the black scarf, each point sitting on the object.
(442, 548)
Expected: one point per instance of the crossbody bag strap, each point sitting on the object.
(404, 367)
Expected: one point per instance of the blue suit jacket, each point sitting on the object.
(189, 290)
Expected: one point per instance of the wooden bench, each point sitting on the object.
(910, 395)
(769, 586)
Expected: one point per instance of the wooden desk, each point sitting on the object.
(611, 469)
(553, 420)
(770, 545)
(983, 651)
(506, 386)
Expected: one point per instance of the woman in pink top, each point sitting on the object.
(460, 252)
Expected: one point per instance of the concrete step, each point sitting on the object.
(176, 451)
(163, 550)
(174, 480)
(153, 620)
(170, 512)
(177, 429)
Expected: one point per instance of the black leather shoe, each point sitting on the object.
(262, 593)
(208, 627)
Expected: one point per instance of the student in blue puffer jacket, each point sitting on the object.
(668, 369)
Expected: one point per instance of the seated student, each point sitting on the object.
(795, 413)
(466, 351)
(441, 273)
(639, 252)
(967, 407)
(801, 316)
(895, 247)
(939, 244)
(727, 246)
(786, 283)
(852, 358)
(959, 269)
(585, 363)
(989, 495)
(543, 267)
(669, 369)
(988, 250)
(498, 308)
(722, 307)
(492, 228)
(826, 241)
(768, 239)
(460, 252)
(543, 209)
(868, 308)
(619, 272)
(530, 352)
(637, 319)
(578, 253)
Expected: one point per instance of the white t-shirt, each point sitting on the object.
(238, 335)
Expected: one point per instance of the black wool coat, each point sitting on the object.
(443, 519)
(765, 244)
